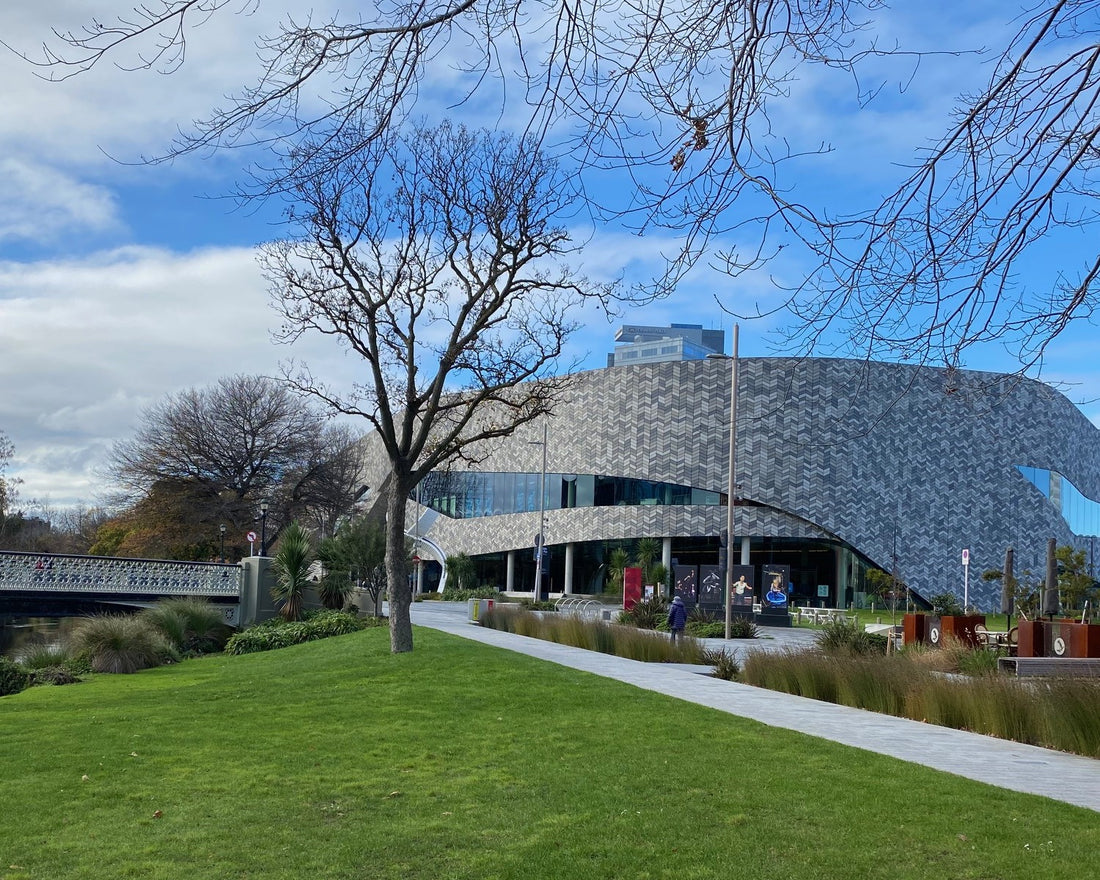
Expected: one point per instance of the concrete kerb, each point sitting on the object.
(1069, 778)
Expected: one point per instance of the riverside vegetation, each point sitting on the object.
(167, 632)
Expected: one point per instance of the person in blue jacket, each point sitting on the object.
(677, 618)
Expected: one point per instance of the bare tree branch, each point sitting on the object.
(439, 260)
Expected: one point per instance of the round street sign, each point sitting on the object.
(251, 537)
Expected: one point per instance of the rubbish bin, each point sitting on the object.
(477, 607)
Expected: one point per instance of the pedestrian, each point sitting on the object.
(677, 618)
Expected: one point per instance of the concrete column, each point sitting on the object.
(841, 576)
(510, 572)
(746, 543)
(666, 553)
(256, 581)
(569, 567)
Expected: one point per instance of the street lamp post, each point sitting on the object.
(540, 546)
(263, 527)
(221, 544)
(732, 488)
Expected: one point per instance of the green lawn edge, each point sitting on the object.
(337, 759)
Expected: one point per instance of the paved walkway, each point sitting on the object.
(1070, 778)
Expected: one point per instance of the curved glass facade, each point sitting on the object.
(1081, 514)
(473, 494)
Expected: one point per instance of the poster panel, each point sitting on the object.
(632, 587)
(743, 586)
(711, 587)
(685, 582)
(774, 581)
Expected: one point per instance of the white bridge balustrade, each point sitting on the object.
(236, 586)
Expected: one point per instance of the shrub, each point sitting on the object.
(117, 644)
(946, 603)
(452, 595)
(43, 656)
(13, 679)
(193, 626)
(291, 564)
(647, 614)
(710, 629)
(844, 636)
(54, 675)
(743, 628)
(278, 633)
(622, 641)
(726, 666)
(979, 661)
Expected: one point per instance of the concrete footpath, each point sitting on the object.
(1070, 778)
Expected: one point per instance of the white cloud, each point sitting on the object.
(42, 202)
(89, 343)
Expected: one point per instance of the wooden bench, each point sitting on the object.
(1026, 667)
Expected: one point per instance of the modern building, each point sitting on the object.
(841, 466)
(637, 344)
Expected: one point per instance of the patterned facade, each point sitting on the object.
(879, 461)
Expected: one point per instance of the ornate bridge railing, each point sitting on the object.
(55, 573)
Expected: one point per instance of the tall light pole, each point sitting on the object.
(732, 488)
(221, 545)
(263, 527)
(540, 542)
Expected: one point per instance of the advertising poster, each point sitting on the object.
(743, 586)
(684, 583)
(773, 583)
(711, 587)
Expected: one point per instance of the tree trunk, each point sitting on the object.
(398, 590)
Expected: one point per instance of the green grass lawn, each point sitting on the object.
(336, 759)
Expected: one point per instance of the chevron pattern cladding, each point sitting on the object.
(842, 449)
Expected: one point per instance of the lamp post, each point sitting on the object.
(731, 489)
(263, 527)
(540, 542)
(221, 544)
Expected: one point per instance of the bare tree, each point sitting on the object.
(7, 484)
(230, 445)
(437, 259)
(936, 269)
(678, 100)
(671, 99)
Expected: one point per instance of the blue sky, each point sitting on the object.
(121, 282)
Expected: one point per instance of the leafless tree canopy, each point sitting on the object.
(675, 98)
(242, 440)
(936, 269)
(438, 259)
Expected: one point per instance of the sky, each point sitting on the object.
(122, 281)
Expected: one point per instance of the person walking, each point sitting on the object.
(677, 618)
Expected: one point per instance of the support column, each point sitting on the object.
(510, 572)
(569, 567)
(746, 543)
(841, 576)
(666, 561)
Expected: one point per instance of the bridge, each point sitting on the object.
(47, 584)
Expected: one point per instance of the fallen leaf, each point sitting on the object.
(157, 814)
(85, 778)
(394, 794)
